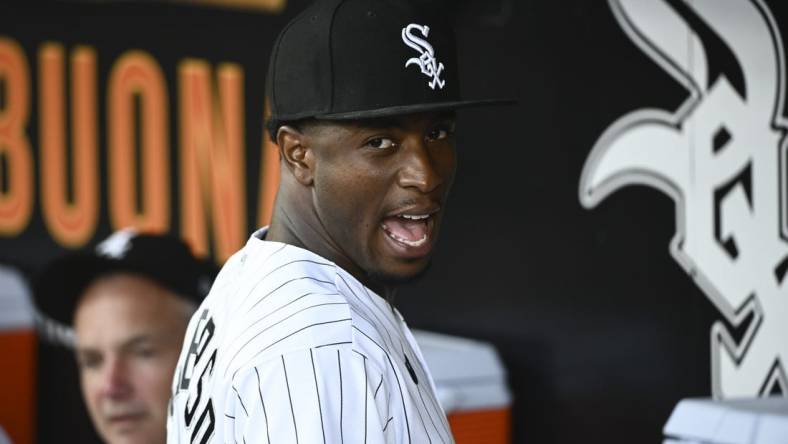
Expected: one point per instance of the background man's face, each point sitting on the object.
(129, 331)
(380, 187)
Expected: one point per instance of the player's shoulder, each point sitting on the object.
(272, 262)
(286, 299)
(276, 272)
(263, 272)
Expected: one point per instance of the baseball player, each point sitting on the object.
(298, 341)
(129, 302)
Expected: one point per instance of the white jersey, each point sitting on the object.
(288, 347)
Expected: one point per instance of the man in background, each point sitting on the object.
(129, 302)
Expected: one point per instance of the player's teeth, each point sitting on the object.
(414, 217)
(416, 243)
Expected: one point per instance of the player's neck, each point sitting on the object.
(296, 223)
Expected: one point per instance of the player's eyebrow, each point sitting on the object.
(86, 351)
(141, 339)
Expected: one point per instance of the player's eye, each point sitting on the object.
(380, 143)
(145, 352)
(440, 132)
(89, 361)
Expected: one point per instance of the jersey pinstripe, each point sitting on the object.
(288, 347)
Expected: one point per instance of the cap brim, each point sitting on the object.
(58, 286)
(414, 109)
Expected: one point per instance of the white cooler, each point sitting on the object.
(471, 383)
(18, 348)
(737, 421)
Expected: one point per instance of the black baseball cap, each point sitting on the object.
(358, 59)
(164, 259)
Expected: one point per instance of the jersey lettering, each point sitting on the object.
(188, 414)
(206, 413)
(199, 338)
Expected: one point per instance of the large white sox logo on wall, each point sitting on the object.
(721, 157)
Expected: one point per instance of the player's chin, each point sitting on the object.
(143, 437)
(400, 272)
(130, 430)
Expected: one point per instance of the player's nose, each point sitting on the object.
(115, 381)
(419, 170)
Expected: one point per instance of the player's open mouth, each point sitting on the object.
(412, 231)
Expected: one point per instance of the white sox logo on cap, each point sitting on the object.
(117, 245)
(426, 61)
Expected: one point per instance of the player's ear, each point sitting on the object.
(300, 160)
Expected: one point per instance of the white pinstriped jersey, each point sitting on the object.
(290, 348)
